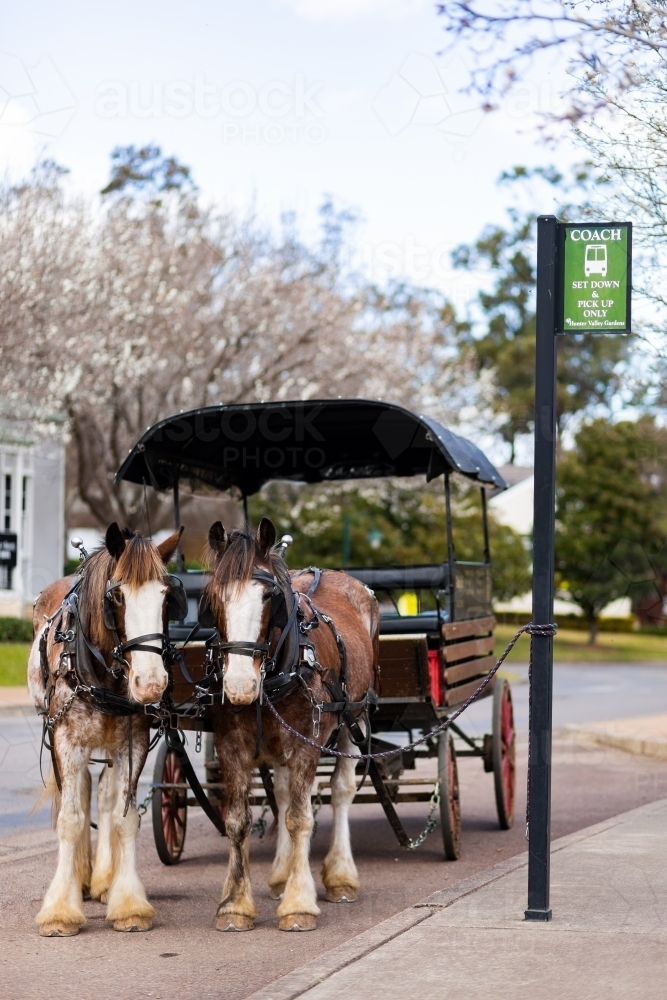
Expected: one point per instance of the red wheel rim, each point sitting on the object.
(173, 805)
(508, 741)
(454, 801)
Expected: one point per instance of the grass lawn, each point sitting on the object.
(572, 646)
(13, 662)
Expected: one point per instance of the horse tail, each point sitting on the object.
(35, 675)
(51, 793)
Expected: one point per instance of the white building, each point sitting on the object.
(32, 508)
(514, 507)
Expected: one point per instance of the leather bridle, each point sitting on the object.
(176, 609)
(246, 648)
(138, 643)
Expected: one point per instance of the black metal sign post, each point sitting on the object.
(539, 776)
(583, 285)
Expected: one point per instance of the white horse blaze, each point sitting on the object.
(143, 615)
(243, 610)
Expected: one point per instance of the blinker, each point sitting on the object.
(177, 602)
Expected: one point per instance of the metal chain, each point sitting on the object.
(142, 808)
(431, 822)
(53, 720)
(259, 826)
(530, 628)
(317, 805)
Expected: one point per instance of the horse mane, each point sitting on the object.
(234, 568)
(139, 563)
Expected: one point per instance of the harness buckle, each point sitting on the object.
(117, 654)
(309, 656)
(317, 720)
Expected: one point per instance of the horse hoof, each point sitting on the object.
(297, 922)
(104, 896)
(234, 922)
(128, 925)
(276, 891)
(341, 894)
(57, 929)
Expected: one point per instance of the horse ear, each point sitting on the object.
(217, 538)
(266, 535)
(168, 547)
(115, 540)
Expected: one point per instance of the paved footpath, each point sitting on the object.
(608, 936)
(645, 736)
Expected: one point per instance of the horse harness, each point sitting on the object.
(286, 665)
(289, 664)
(81, 662)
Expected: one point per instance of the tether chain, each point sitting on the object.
(530, 628)
(431, 821)
(142, 808)
(53, 720)
(260, 825)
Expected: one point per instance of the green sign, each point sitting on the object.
(595, 261)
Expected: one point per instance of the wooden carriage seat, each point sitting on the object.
(418, 662)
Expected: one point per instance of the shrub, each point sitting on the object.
(15, 630)
(576, 622)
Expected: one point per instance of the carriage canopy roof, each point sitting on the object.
(244, 446)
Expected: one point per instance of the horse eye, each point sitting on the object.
(267, 595)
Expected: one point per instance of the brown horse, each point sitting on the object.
(128, 572)
(241, 597)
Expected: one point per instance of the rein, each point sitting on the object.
(530, 628)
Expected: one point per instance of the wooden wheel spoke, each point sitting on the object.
(504, 753)
(169, 807)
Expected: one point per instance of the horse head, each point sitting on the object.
(127, 585)
(243, 583)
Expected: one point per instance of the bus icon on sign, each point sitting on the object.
(596, 259)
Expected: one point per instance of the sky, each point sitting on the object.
(276, 104)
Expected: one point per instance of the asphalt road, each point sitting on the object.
(185, 957)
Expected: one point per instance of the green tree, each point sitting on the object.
(588, 365)
(390, 523)
(610, 517)
(146, 170)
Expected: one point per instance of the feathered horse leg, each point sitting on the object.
(283, 859)
(128, 908)
(237, 910)
(298, 908)
(62, 914)
(106, 853)
(339, 872)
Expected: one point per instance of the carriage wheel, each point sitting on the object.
(504, 753)
(170, 809)
(450, 803)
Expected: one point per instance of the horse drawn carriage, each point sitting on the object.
(430, 662)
